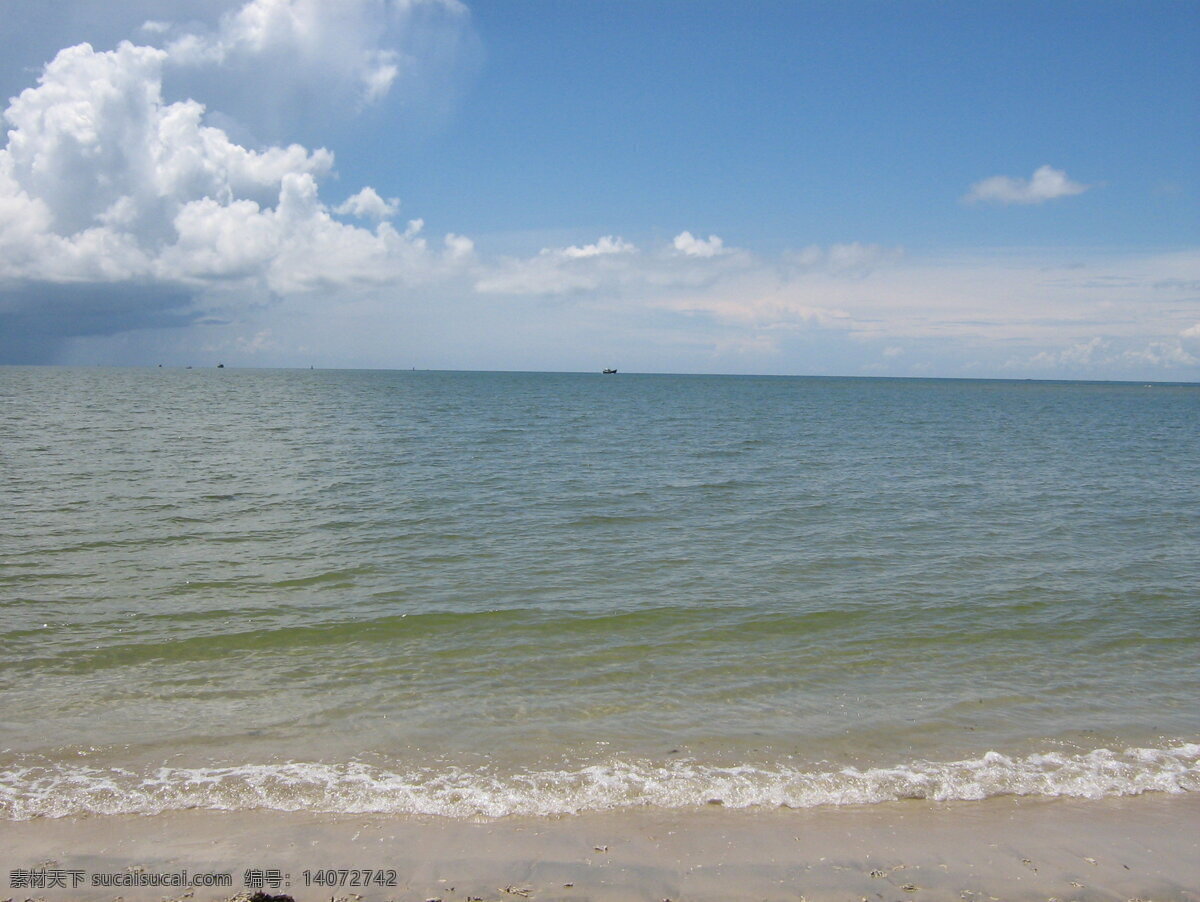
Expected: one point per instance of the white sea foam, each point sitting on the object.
(56, 790)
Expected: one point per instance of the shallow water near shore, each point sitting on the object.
(481, 594)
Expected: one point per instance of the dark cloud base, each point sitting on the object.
(37, 319)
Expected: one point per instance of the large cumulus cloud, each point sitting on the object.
(117, 206)
(311, 60)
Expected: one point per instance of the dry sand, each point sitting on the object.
(1144, 848)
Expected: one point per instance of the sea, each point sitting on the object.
(477, 595)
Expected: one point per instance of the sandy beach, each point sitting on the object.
(1145, 848)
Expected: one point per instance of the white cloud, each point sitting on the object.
(1094, 315)
(350, 41)
(257, 343)
(275, 70)
(1072, 315)
(1166, 355)
(104, 183)
(379, 77)
(848, 258)
(608, 264)
(860, 258)
(1018, 312)
(805, 258)
(95, 143)
(1046, 184)
(560, 270)
(367, 204)
(1073, 356)
(459, 247)
(606, 245)
(687, 243)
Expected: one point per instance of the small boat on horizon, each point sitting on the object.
(608, 371)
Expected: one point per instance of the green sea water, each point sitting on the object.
(494, 593)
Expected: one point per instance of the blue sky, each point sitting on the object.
(790, 122)
(860, 188)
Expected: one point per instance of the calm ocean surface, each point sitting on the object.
(488, 593)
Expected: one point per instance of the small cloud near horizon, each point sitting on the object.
(687, 243)
(1046, 183)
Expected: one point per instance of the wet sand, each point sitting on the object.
(1145, 848)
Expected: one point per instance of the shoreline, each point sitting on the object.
(1011, 848)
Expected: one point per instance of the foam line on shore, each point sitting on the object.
(31, 789)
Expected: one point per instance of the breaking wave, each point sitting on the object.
(57, 790)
